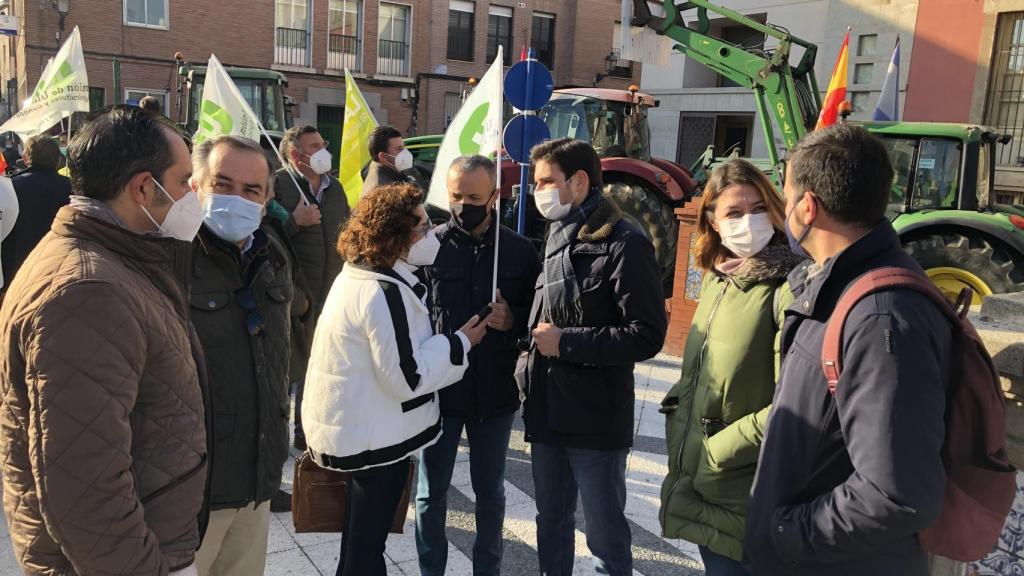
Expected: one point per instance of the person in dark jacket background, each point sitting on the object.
(597, 310)
(845, 483)
(241, 296)
(485, 401)
(319, 210)
(41, 193)
(390, 162)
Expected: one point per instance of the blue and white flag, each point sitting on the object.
(888, 109)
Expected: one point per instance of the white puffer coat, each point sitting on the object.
(375, 367)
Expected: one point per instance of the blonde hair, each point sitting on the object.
(708, 249)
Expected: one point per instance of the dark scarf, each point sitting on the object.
(562, 303)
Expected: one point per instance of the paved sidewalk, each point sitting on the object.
(317, 554)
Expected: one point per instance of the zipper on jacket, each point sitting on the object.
(693, 395)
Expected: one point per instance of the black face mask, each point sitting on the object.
(469, 216)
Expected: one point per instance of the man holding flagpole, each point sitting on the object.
(485, 401)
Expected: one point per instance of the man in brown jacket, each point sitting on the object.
(102, 427)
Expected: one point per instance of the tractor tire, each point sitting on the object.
(957, 252)
(655, 218)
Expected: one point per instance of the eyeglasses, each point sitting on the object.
(254, 320)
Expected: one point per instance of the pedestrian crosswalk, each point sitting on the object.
(647, 466)
(291, 554)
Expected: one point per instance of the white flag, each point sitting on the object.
(62, 89)
(476, 129)
(223, 110)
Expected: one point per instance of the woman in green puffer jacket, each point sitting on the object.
(716, 413)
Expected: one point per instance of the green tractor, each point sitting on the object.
(942, 206)
(263, 89)
(942, 195)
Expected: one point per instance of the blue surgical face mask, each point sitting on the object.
(232, 218)
(794, 242)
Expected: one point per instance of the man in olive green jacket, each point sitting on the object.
(717, 411)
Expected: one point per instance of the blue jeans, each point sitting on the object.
(717, 565)
(599, 477)
(488, 444)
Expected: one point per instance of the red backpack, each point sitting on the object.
(980, 482)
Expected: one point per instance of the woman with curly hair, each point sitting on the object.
(376, 365)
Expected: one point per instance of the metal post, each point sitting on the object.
(524, 168)
(117, 82)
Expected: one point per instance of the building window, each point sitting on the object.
(542, 40)
(291, 45)
(460, 30)
(499, 33)
(148, 13)
(133, 95)
(452, 104)
(344, 35)
(866, 45)
(859, 100)
(862, 73)
(97, 98)
(393, 40)
(1005, 100)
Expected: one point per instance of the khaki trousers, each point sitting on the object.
(235, 542)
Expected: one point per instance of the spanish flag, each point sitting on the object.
(836, 88)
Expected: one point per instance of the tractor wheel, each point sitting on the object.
(954, 261)
(655, 218)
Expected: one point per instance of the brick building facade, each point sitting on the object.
(411, 58)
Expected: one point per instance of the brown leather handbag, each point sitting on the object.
(320, 498)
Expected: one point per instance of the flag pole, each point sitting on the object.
(497, 161)
(284, 162)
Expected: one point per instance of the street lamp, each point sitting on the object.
(62, 7)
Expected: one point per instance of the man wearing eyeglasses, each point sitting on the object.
(241, 298)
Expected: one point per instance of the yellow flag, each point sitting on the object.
(355, 133)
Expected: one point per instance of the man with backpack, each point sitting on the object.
(847, 480)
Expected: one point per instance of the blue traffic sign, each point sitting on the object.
(525, 92)
(523, 133)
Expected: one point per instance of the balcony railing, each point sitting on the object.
(291, 47)
(392, 58)
(343, 52)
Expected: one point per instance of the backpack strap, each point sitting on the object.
(877, 281)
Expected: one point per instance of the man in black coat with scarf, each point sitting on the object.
(598, 309)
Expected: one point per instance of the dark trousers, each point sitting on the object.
(488, 446)
(599, 478)
(300, 436)
(373, 497)
(717, 565)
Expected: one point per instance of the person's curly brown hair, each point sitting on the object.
(381, 227)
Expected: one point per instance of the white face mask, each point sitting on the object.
(320, 162)
(233, 218)
(403, 161)
(423, 252)
(748, 235)
(549, 203)
(183, 219)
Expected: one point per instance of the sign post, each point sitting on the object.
(528, 86)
